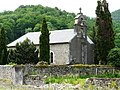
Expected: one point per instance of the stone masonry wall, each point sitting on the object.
(34, 75)
(102, 82)
(69, 70)
(12, 73)
(60, 53)
(7, 72)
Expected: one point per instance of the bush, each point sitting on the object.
(25, 53)
(114, 57)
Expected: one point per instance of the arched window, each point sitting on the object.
(51, 57)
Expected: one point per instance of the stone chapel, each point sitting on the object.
(68, 46)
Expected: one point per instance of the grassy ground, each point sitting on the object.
(66, 79)
(57, 87)
(80, 80)
(75, 79)
(59, 83)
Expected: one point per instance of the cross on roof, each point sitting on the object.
(80, 10)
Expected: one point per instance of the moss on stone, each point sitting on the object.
(93, 65)
(5, 81)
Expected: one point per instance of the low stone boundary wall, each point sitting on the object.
(33, 75)
(34, 80)
(7, 72)
(12, 73)
(100, 82)
(70, 70)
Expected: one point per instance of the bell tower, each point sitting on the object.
(80, 29)
(80, 26)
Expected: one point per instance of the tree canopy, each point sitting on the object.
(29, 18)
(24, 53)
(114, 57)
(104, 34)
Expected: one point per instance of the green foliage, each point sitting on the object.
(114, 57)
(116, 15)
(66, 79)
(116, 26)
(24, 53)
(3, 48)
(26, 18)
(36, 28)
(90, 22)
(73, 79)
(44, 43)
(104, 34)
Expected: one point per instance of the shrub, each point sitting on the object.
(114, 57)
(25, 53)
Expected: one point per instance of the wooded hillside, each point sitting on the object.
(116, 26)
(29, 18)
(116, 15)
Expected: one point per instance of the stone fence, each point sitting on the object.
(26, 74)
(70, 70)
(102, 82)
(12, 73)
(7, 72)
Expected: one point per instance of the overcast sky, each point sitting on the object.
(88, 6)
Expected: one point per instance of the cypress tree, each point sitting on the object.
(104, 40)
(44, 43)
(3, 48)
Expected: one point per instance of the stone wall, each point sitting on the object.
(102, 82)
(34, 75)
(60, 53)
(7, 72)
(69, 70)
(18, 75)
(12, 73)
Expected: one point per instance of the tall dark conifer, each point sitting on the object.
(3, 48)
(44, 43)
(104, 40)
